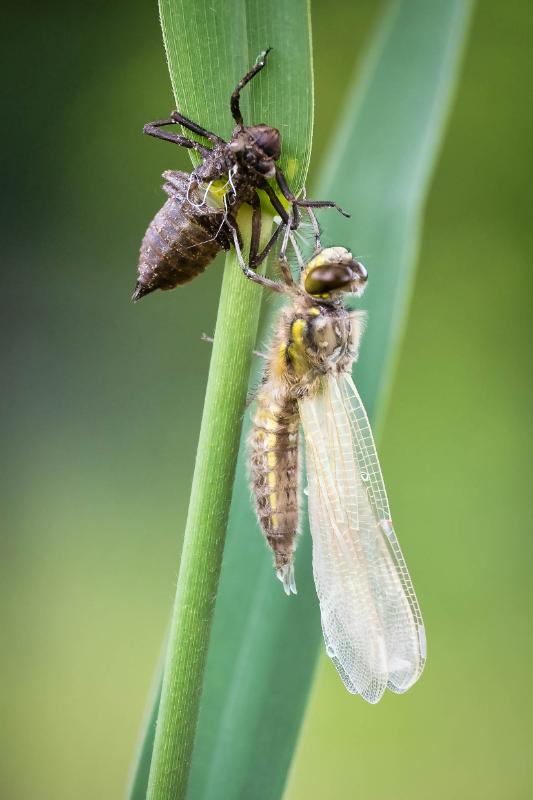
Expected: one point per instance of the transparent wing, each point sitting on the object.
(371, 620)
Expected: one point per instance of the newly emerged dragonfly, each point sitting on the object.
(230, 174)
(371, 619)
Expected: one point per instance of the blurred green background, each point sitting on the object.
(102, 403)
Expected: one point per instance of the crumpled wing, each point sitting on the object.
(371, 620)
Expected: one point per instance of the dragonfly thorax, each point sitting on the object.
(316, 342)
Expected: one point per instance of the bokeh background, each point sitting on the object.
(102, 402)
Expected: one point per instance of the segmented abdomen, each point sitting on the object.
(182, 239)
(274, 473)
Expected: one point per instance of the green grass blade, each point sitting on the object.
(264, 646)
(209, 46)
(203, 542)
(381, 163)
(141, 765)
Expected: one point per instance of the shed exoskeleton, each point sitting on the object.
(182, 239)
(247, 162)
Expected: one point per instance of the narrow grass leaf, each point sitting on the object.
(209, 46)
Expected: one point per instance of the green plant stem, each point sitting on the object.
(205, 531)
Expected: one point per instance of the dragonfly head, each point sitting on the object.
(334, 270)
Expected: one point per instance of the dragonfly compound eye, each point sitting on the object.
(322, 280)
(334, 269)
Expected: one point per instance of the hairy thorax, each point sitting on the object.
(310, 343)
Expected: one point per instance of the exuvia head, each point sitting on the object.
(257, 147)
(334, 270)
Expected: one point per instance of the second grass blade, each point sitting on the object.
(264, 645)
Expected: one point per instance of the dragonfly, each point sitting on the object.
(371, 619)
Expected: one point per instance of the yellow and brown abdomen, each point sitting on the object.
(274, 473)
